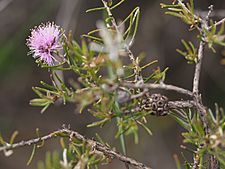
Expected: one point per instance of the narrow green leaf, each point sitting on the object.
(99, 40)
(15, 133)
(39, 102)
(146, 128)
(181, 122)
(149, 64)
(221, 31)
(37, 92)
(44, 108)
(95, 9)
(98, 123)
(174, 14)
(122, 139)
(99, 138)
(32, 155)
(136, 19)
(181, 52)
(50, 87)
(175, 9)
(2, 142)
(169, 6)
(116, 5)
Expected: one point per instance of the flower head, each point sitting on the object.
(44, 42)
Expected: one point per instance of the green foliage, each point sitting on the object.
(212, 143)
(191, 53)
(216, 139)
(157, 75)
(11, 140)
(49, 94)
(77, 155)
(131, 30)
(214, 37)
(52, 160)
(183, 11)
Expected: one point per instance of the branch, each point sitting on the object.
(181, 104)
(100, 148)
(172, 105)
(197, 96)
(158, 86)
(220, 22)
(215, 13)
(213, 163)
(198, 68)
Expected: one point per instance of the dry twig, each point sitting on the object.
(100, 148)
(158, 86)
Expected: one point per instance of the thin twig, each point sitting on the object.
(217, 23)
(220, 22)
(172, 105)
(198, 68)
(139, 94)
(197, 96)
(181, 104)
(158, 86)
(100, 148)
(216, 13)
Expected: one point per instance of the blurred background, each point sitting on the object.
(158, 36)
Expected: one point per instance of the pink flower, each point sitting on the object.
(44, 42)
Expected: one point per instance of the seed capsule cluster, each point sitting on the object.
(156, 103)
